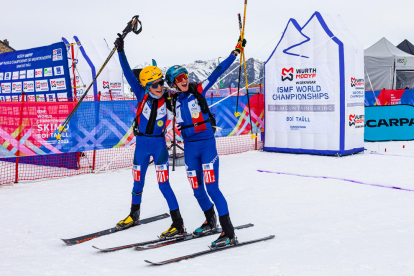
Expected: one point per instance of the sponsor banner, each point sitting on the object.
(16, 87)
(6, 87)
(34, 67)
(15, 76)
(30, 74)
(302, 118)
(305, 83)
(355, 120)
(57, 54)
(28, 86)
(355, 89)
(42, 86)
(116, 88)
(58, 70)
(47, 72)
(57, 84)
(387, 123)
(22, 75)
(39, 73)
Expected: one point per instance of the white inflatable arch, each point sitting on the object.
(314, 90)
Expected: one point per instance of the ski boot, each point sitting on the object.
(209, 226)
(227, 236)
(131, 220)
(176, 228)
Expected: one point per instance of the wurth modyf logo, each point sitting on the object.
(287, 74)
(356, 120)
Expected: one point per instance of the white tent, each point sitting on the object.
(314, 89)
(384, 63)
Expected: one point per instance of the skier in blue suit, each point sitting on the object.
(149, 129)
(196, 125)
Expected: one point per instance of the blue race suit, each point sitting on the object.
(200, 150)
(151, 141)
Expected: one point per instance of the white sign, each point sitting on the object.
(314, 89)
(28, 86)
(47, 72)
(7, 76)
(16, 87)
(57, 84)
(15, 75)
(42, 86)
(58, 70)
(38, 73)
(22, 74)
(30, 74)
(6, 87)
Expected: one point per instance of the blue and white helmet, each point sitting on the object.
(172, 72)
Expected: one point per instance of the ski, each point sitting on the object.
(210, 251)
(112, 249)
(162, 241)
(186, 238)
(89, 237)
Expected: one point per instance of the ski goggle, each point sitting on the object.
(181, 77)
(155, 85)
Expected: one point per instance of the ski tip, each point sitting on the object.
(96, 247)
(151, 263)
(67, 242)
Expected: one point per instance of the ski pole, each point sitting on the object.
(131, 26)
(237, 114)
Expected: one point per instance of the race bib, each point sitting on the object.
(136, 172)
(192, 178)
(208, 173)
(162, 173)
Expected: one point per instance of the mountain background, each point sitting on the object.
(199, 70)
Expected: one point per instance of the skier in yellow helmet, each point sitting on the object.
(149, 129)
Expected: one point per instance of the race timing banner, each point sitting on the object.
(41, 73)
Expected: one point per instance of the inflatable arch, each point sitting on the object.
(314, 90)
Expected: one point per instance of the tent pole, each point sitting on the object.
(376, 100)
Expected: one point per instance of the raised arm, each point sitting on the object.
(221, 68)
(136, 87)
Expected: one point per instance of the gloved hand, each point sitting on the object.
(119, 43)
(240, 45)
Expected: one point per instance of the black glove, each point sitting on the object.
(119, 43)
(240, 45)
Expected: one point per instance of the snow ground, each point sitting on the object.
(322, 226)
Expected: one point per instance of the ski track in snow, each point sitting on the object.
(322, 226)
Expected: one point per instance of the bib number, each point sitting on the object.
(192, 178)
(162, 173)
(136, 172)
(208, 173)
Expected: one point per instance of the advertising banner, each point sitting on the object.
(29, 128)
(314, 84)
(41, 73)
(389, 123)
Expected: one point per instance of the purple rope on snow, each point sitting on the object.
(343, 179)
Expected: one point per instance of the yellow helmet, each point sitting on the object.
(149, 74)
